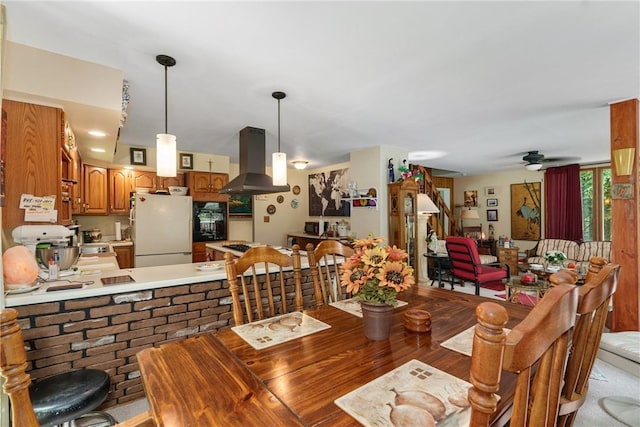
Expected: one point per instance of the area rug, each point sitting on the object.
(494, 286)
(523, 299)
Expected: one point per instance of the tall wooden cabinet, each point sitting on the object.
(403, 226)
(33, 159)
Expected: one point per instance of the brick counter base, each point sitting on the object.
(106, 332)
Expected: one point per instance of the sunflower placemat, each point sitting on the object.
(279, 329)
(412, 394)
(352, 306)
(463, 342)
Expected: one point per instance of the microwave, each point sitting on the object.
(313, 227)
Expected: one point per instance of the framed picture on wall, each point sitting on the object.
(492, 203)
(240, 205)
(492, 214)
(471, 198)
(526, 211)
(138, 156)
(327, 191)
(186, 161)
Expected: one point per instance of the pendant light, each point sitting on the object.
(165, 142)
(279, 159)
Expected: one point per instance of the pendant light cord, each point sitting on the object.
(166, 103)
(279, 126)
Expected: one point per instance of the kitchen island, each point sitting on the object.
(104, 326)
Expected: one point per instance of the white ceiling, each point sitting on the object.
(480, 83)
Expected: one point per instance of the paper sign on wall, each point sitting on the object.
(29, 201)
(39, 208)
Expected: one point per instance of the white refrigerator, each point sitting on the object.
(162, 229)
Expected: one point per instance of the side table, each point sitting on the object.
(442, 267)
(509, 256)
(514, 287)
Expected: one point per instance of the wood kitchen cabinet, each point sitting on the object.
(119, 191)
(202, 185)
(124, 255)
(94, 183)
(142, 179)
(199, 253)
(77, 196)
(33, 159)
(164, 182)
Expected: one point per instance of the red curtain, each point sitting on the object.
(563, 207)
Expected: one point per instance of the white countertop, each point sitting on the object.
(287, 251)
(110, 242)
(145, 278)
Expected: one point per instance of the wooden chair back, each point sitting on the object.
(535, 349)
(594, 298)
(324, 262)
(259, 285)
(595, 265)
(13, 366)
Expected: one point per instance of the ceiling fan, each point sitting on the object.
(534, 160)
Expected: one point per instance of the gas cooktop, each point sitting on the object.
(237, 247)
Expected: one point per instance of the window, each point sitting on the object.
(596, 203)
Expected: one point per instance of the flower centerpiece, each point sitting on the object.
(375, 274)
(554, 257)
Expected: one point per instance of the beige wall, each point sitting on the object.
(502, 184)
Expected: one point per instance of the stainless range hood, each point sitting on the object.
(252, 178)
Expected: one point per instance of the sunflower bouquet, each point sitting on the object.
(376, 274)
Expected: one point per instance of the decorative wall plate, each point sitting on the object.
(271, 209)
(294, 203)
(296, 189)
(280, 198)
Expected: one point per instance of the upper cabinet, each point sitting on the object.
(142, 179)
(122, 182)
(205, 185)
(95, 190)
(33, 160)
(119, 191)
(165, 182)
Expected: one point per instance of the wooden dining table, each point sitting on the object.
(219, 379)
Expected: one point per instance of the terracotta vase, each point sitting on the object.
(377, 320)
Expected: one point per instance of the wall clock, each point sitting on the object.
(271, 209)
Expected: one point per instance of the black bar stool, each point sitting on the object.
(64, 398)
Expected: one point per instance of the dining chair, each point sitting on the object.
(595, 265)
(259, 285)
(535, 350)
(324, 262)
(466, 264)
(65, 400)
(593, 306)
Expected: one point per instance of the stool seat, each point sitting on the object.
(65, 397)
